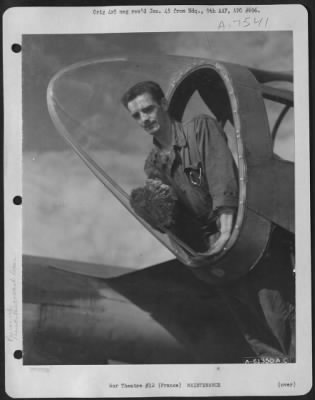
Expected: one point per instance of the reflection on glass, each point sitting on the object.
(84, 102)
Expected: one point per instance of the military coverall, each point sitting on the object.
(201, 170)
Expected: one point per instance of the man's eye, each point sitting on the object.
(136, 116)
(148, 109)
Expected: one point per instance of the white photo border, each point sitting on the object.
(93, 381)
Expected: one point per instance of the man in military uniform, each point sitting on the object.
(192, 170)
(193, 159)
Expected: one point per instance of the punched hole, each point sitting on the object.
(17, 200)
(16, 48)
(18, 354)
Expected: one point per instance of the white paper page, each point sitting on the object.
(83, 336)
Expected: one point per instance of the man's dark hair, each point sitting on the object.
(143, 87)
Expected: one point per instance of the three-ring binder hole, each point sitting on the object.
(18, 354)
(17, 200)
(16, 48)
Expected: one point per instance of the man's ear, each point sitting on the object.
(164, 104)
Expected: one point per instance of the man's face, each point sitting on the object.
(149, 114)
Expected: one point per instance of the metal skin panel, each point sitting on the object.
(255, 131)
(71, 318)
(280, 95)
(271, 192)
(162, 314)
(272, 76)
(270, 181)
(246, 252)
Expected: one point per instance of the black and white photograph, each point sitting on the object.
(158, 175)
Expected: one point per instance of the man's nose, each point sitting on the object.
(144, 117)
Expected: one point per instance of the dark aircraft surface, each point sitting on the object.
(79, 313)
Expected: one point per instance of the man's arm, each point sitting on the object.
(220, 173)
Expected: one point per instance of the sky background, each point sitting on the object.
(67, 213)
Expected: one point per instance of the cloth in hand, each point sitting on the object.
(155, 203)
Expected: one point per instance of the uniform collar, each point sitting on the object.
(179, 139)
(178, 136)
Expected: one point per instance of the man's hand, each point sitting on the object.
(225, 225)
